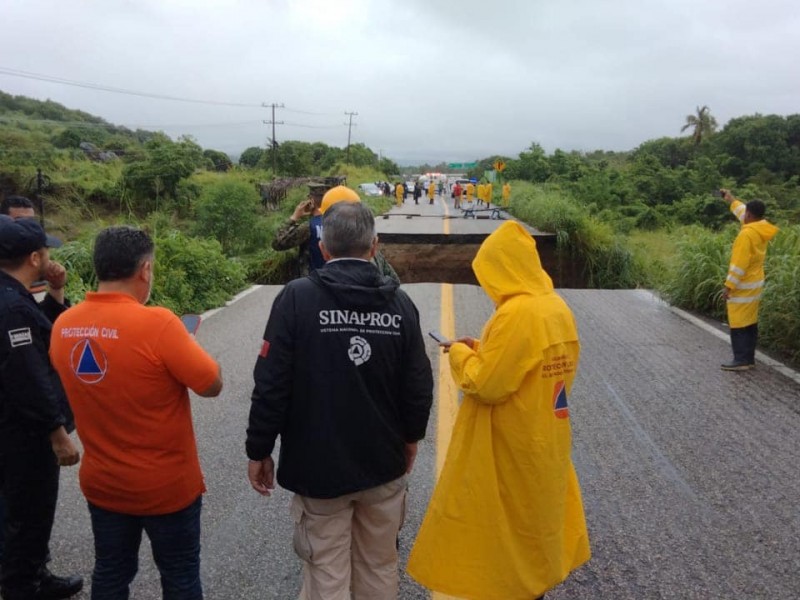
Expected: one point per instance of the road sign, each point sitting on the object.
(500, 165)
(469, 165)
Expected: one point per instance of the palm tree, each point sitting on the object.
(702, 124)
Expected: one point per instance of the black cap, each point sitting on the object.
(20, 237)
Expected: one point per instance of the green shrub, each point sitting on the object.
(226, 210)
(192, 274)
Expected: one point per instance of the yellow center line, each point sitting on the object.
(447, 398)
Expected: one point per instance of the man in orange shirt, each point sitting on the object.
(126, 368)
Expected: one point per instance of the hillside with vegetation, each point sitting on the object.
(212, 228)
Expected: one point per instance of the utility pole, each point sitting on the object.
(274, 144)
(349, 129)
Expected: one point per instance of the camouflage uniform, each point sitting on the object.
(296, 234)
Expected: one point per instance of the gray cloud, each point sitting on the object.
(431, 80)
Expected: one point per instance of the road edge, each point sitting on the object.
(760, 356)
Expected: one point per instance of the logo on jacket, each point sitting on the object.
(359, 351)
(560, 407)
(88, 361)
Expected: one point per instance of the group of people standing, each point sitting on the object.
(342, 378)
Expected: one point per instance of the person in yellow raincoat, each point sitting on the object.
(506, 519)
(431, 191)
(506, 194)
(479, 194)
(745, 281)
(470, 191)
(399, 193)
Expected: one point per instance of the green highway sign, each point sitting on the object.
(470, 165)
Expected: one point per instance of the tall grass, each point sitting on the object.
(696, 280)
(608, 263)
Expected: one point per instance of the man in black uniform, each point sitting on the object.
(34, 417)
(344, 379)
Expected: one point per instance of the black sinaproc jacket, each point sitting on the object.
(31, 397)
(343, 378)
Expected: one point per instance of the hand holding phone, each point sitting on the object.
(440, 338)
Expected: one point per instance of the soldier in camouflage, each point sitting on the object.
(296, 233)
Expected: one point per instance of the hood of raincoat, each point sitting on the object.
(356, 283)
(763, 228)
(507, 264)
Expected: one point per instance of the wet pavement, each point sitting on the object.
(689, 474)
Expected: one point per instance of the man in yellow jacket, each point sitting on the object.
(506, 194)
(506, 520)
(745, 281)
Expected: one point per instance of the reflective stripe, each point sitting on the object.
(736, 270)
(754, 285)
(739, 211)
(733, 280)
(744, 299)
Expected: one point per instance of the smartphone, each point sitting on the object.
(439, 337)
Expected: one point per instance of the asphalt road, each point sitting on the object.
(689, 474)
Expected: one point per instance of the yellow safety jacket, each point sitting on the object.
(399, 192)
(506, 194)
(488, 191)
(470, 191)
(506, 520)
(431, 190)
(745, 278)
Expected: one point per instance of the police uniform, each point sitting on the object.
(32, 406)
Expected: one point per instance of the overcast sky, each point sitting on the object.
(431, 80)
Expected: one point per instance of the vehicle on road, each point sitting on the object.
(369, 189)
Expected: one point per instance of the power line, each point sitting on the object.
(105, 88)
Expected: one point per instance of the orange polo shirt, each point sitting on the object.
(126, 368)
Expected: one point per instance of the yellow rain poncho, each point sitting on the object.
(745, 278)
(506, 519)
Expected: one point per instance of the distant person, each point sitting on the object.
(17, 207)
(506, 518)
(480, 192)
(35, 418)
(489, 190)
(304, 235)
(745, 281)
(399, 192)
(127, 369)
(406, 191)
(506, 195)
(431, 191)
(457, 190)
(343, 378)
(470, 191)
(417, 192)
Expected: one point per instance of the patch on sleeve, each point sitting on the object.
(264, 349)
(20, 337)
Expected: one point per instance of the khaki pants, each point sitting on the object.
(349, 543)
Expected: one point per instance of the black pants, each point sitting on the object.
(29, 481)
(743, 342)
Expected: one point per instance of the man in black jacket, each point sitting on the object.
(344, 379)
(34, 416)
